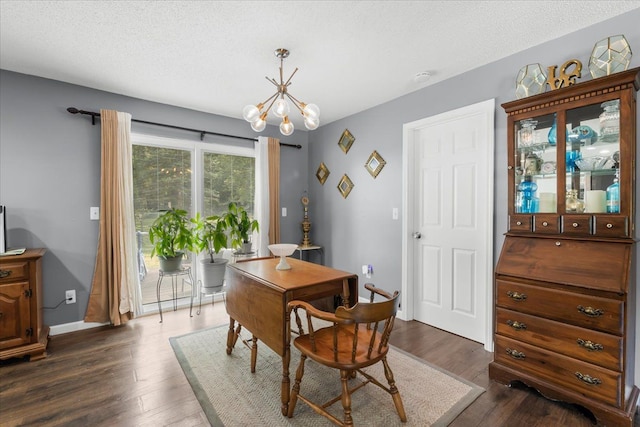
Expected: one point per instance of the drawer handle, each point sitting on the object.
(516, 296)
(518, 222)
(558, 243)
(518, 326)
(588, 379)
(575, 225)
(4, 273)
(609, 225)
(545, 223)
(590, 311)
(590, 345)
(516, 354)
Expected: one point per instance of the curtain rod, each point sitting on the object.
(202, 133)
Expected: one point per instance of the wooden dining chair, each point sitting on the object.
(357, 337)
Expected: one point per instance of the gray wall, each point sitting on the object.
(50, 174)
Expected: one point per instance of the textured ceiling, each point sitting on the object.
(213, 56)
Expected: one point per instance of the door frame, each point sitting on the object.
(486, 108)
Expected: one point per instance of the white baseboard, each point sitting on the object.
(73, 327)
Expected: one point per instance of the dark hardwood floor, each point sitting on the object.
(129, 376)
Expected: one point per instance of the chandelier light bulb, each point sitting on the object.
(312, 111)
(286, 127)
(311, 123)
(281, 108)
(250, 113)
(260, 123)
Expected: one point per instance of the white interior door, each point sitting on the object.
(449, 220)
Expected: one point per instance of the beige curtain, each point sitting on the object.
(274, 190)
(112, 297)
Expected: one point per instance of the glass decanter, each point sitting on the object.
(610, 121)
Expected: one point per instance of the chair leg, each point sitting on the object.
(395, 394)
(346, 397)
(296, 386)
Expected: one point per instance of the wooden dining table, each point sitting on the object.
(257, 296)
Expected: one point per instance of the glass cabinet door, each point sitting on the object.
(592, 158)
(536, 157)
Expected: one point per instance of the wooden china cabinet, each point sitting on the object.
(564, 285)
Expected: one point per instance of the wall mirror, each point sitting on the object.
(375, 164)
(346, 140)
(322, 173)
(345, 186)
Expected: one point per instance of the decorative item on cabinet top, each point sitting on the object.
(345, 186)
(609, 56)
(530, 80)
(374, 164)
(346, 140)
(322, 173)
(566, 78)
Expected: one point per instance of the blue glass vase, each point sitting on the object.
(528, 202)
(613, 196)
(553, 139)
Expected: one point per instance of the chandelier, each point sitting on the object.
(255, 115)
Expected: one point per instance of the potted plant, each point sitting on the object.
(171, 237)
(241, 227)
(210, 234)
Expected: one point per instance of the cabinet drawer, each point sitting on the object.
(592, 381)
(576, 225)
(546, 224)
(520, 223)
(587, 264)
(590, 346)
(586, 311)
(610, 226)
(12, 271)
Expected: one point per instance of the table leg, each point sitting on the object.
(254, 353)
(193, 287)
(346, 293)
(230, 335)
(158, 296)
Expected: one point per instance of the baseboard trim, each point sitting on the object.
(73, 327)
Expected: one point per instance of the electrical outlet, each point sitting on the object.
(70, 296)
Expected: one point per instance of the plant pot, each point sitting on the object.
(170, 263)
(246, 247)
(212, 274)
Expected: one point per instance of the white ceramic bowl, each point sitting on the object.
(283, 250)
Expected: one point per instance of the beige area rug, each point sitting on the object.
(231, 395)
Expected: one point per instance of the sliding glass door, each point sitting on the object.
(194, 176)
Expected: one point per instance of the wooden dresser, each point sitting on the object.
(564, 317)
(21, 330)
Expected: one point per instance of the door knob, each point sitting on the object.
(416, 235)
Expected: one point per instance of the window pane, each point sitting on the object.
(227, 178)
(162, 179)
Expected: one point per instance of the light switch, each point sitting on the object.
(94, 213)
(394, 213)
(284, 212)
